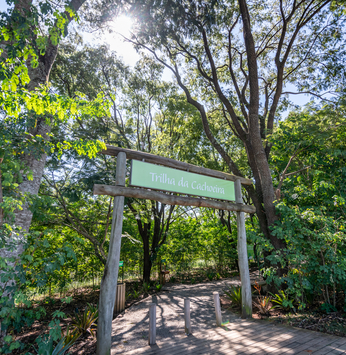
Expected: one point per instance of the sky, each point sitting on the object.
(122, 26)
(3, 5)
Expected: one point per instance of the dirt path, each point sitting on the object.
(130, 330)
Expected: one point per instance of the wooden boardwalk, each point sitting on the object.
(249, 337)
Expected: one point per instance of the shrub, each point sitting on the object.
(282, 301)
(146, 287)
(46, 346)
(70, 337)
(263, 304)
(315, 256)
(210, 276)
(327, 308)
(135, 294)
(234, 295)
(85, 322)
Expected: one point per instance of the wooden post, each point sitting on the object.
(152, 324)
(243, 256)
(187, 316)
(217, 309)
(110, 274)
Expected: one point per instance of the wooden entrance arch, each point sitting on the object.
(110, 276)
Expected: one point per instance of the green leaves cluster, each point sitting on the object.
(315, 256)
(311, 206)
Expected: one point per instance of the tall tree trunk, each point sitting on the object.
(257, 156)
(38, 76)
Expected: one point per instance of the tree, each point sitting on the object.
(147, 114)
(29, 38)
(233, 60)
(44, 50)
(309, 157)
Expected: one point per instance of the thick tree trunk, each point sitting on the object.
(38, 76)
(257, 157)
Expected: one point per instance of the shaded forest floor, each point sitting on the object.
(313, 319)
(333, 323)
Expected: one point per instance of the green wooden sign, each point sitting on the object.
(167, 179)
(121, 263)
(250, 252)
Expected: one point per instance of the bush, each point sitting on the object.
(282, 301)
(263, 304)
(315, 256)
(85, 322)
(234, 295)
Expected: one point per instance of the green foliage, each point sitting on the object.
(146, 287)
(93, 309)
(263, 304)
(311, 203)
(135, 294)
(315, 254)
(327, 308)
(70, 337)
(158, 287)
(38, 265)
(234, 294)
(210, 276)
(282, 300)
(200, 240)
(85, 322)
(46, 345)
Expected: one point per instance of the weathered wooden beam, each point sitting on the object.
(170, 199)
(172, 163)
(110, 275)
(187, 316)
(217, 305)
(152, 324)
(243, 259)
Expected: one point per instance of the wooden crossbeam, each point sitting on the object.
(170, 199)
(172, 163)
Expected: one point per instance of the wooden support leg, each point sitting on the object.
(187, 316)
(110, 275)
(243, 257)
(152, 324)
(217, 309)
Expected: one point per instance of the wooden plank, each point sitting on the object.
(243, 257)
(210, 341)
(172, 163)
(203, 340)
(170, 199)
(262, 338)
(110, 275)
